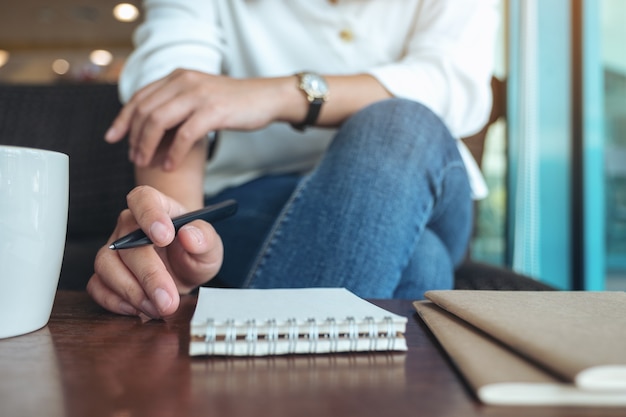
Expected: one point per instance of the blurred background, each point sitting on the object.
(556, 164)
(65, 40)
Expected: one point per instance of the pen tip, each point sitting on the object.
(111, 246)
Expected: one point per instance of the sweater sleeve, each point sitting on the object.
(175, 34)
(448, 62)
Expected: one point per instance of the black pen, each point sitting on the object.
(209, 214)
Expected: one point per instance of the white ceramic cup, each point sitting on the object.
(34, 196)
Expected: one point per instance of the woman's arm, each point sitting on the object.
(448, 62)
(185, 184)
(191, 103)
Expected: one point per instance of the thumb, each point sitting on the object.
(197, 255)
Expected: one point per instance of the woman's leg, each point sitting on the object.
(260, 203)
(430, 268)
(392, 170)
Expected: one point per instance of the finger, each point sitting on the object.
(198, 255)
(161, 107)
(118, 128)
(115, 287)
(156, 122)
(109, 299)
(187, 135)
(121, 124)
(153, 212)
(154, 279)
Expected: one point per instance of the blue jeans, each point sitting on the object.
(387, 213)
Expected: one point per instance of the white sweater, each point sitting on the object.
(436, 52)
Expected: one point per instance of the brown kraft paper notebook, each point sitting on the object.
(498, 375)
(578, 336)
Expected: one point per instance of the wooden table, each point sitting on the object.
(88, 363)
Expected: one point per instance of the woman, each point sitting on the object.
(335, 124)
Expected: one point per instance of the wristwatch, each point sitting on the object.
(316, 90)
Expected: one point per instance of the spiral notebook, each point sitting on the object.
(251, 322)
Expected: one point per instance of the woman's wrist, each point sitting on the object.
(292, 105)
(346, 96)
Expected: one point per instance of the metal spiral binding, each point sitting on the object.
(372, 332)
(252, 336)
(391, 334)
(210, 337)
(230, 337)
(353, 333)
(292, 335)
(314, 334)
(271, 336)
(333, 333)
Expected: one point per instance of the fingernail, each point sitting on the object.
(162, 298)
(195, 233)
(159, 233)
(138, 159)
(110, 134)
(149, 309)
(128, 309)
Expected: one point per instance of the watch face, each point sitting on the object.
(314, 85)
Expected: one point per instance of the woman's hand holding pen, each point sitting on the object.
(149, 279)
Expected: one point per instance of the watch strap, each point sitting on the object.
(315, 106)
(315, 88)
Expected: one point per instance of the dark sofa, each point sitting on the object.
(73, 118)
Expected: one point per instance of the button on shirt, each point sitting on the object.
(437, 52)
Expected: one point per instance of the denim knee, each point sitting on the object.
(396, 137)
(400, 110)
